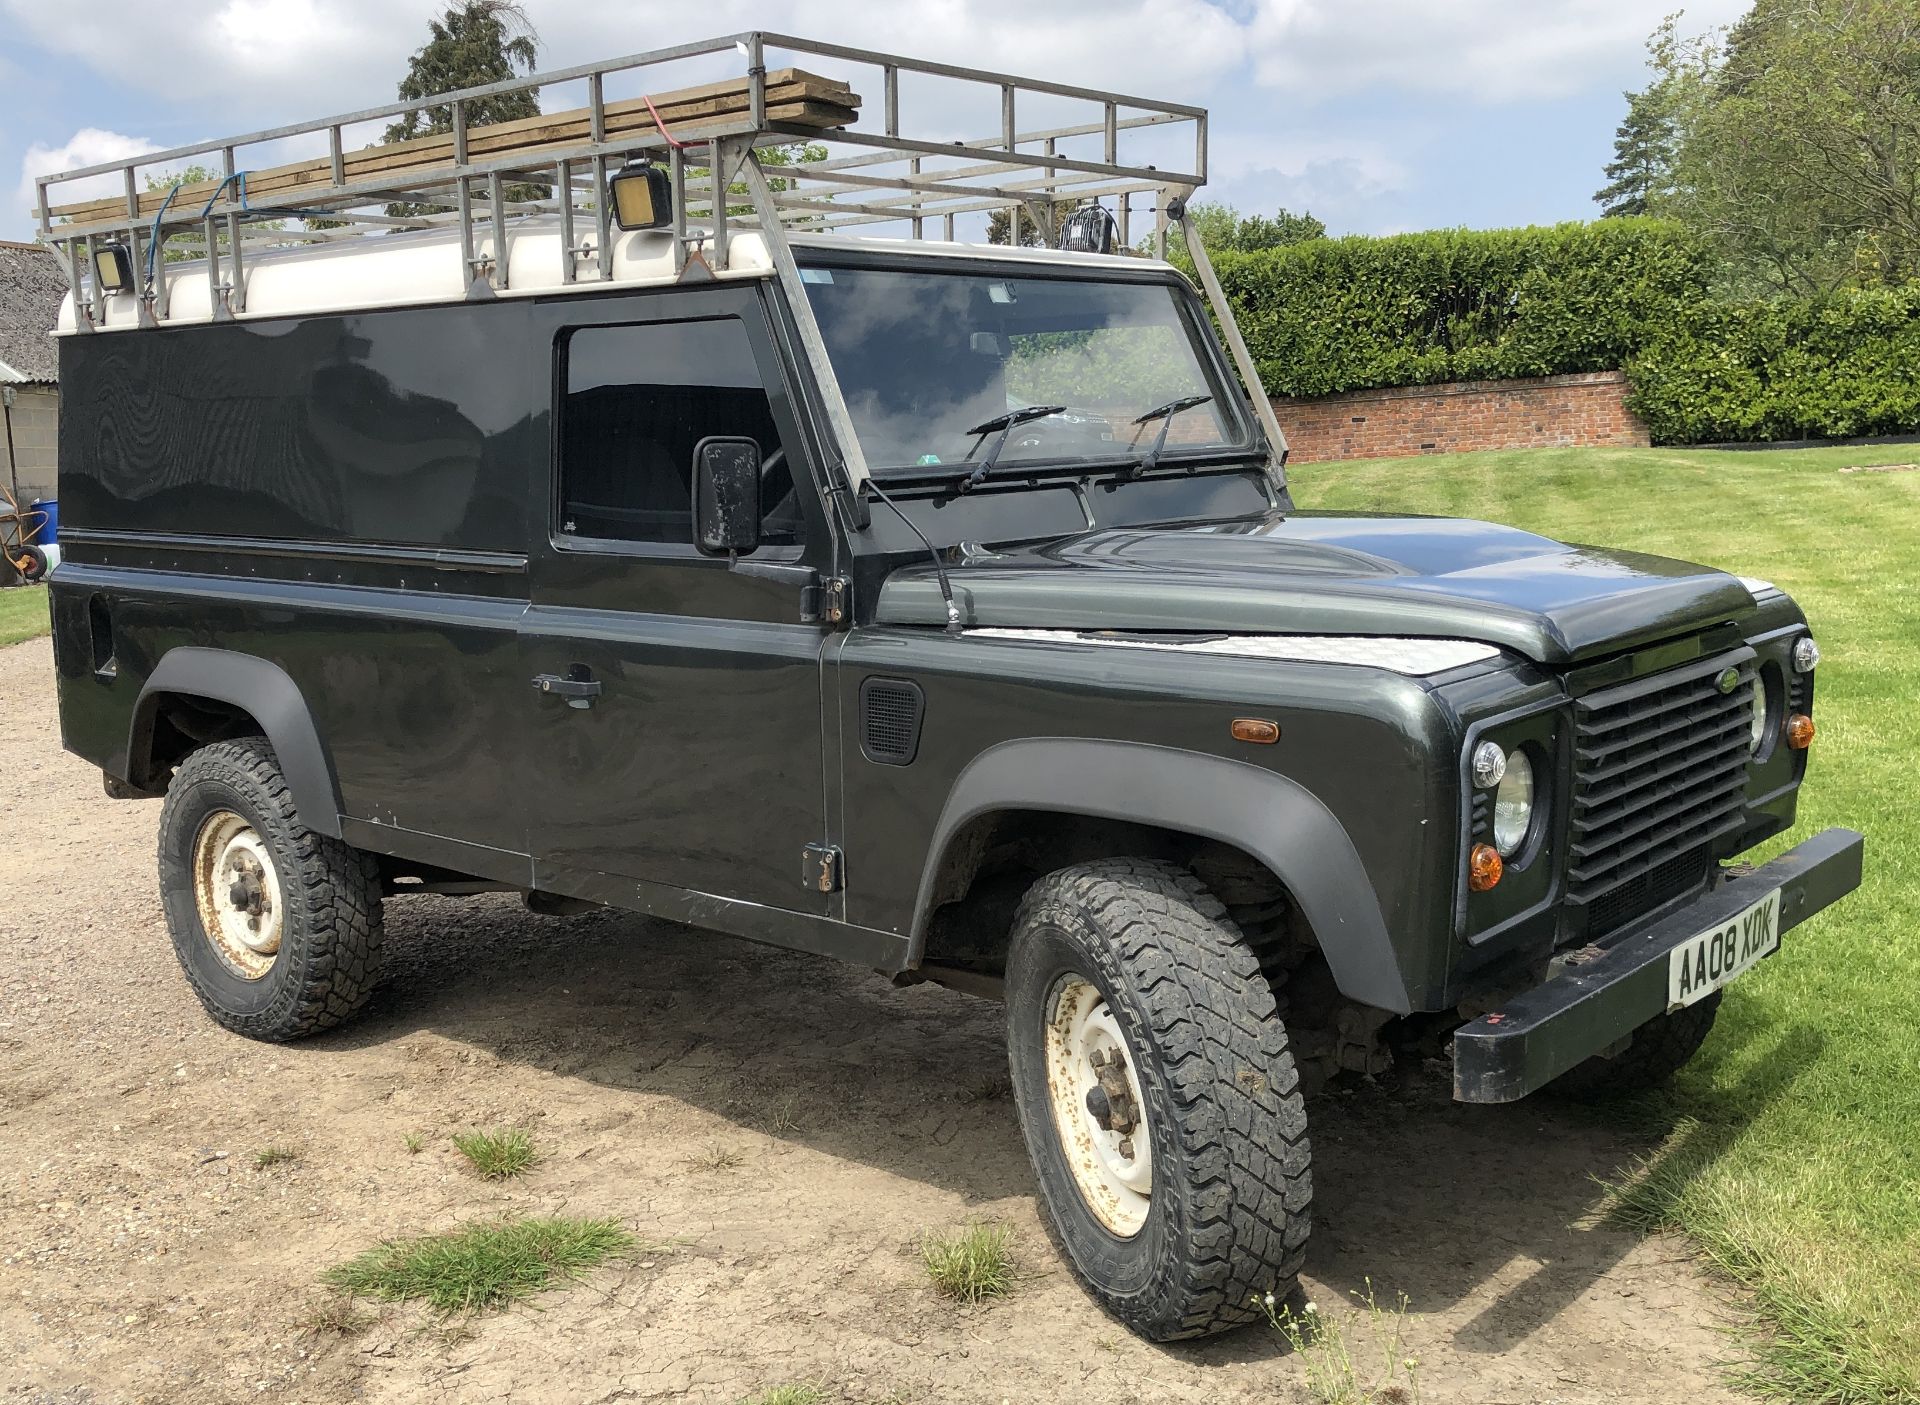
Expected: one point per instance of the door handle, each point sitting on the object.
(579, 692)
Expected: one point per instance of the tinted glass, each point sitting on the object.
(638, 399)
(922, 357)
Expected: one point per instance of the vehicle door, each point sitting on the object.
(676, 738)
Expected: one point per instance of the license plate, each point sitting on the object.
(1701, 965)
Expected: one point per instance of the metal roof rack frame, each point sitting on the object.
(870, 176)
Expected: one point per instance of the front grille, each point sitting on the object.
(1659, 884)
(1660, 767)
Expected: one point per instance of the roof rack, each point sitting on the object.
(835, 168)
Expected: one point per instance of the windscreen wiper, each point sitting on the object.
(1005, 425)
(1163, 413)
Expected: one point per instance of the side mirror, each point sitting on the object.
(726, 496)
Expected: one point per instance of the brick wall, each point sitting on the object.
(36, 420)
(1458, 418)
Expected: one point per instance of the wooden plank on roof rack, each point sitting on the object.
(794, 98)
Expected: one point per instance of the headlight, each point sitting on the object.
(1762, 709)
(1513, 805)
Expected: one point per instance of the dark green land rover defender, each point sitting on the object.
(634, 534)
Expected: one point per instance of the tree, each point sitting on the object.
(1223, 229)
(1220, 229)
(1000, 228)
(1640, 176)
(1797, 142)
(474, 42)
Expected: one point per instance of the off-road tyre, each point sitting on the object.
(1228, 1212)
(331, 930)
(32, 564)
(1660, 1048)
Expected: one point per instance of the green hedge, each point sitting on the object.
(1841, 367)
(1415, 309)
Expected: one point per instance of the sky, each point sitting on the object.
(1378, 116)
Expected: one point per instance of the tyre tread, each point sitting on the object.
(331, 888)
(1244, 1139)
(1660, 1048)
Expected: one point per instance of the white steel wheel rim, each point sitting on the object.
(237, 891)
(1111, 1159)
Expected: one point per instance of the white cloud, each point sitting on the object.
(303, 56)
(1272, 70)
(278, 60)
(87, 147)
(1482, 50)
(311, 57)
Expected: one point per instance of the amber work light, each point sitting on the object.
(113, 268)
(642, 196)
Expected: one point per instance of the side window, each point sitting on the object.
(638, 399)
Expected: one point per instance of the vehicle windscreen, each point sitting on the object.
(924, 357)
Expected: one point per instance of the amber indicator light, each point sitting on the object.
(1255, 729)
(1484, 867)
(1799, 731)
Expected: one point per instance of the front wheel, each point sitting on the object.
(278, 928)
(1157, 1096)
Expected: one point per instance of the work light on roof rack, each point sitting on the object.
(642, 196)
(1088, 230)
(112, 268)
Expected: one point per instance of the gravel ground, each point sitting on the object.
(143, 1257)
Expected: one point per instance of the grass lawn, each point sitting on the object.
(1793, 1148)
(23, 613)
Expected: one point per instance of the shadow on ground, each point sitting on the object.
(1414, 1194)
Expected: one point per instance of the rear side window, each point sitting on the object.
(638, 399)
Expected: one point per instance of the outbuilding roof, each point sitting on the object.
(32, 288)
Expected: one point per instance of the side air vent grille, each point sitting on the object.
(890, 712)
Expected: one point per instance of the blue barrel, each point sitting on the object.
(49, 530)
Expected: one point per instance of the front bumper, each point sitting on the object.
(1539, 1035)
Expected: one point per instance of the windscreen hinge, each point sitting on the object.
(836, 593)
(824, 601)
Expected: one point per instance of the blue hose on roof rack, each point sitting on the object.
(153, 238)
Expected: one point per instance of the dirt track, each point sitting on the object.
(142, 1257)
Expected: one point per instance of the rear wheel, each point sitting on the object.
(277, 928)
(1660, 1048)
(1157, 1097)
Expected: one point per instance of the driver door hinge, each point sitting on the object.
(820, 868)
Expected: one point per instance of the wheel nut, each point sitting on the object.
(1126, 1147)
